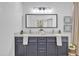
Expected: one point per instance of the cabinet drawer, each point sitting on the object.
(32, 53)
(41, 48)
(19, 39)
(41, 39)
(64, 39)
(41, 45)
(51, 39)
(32, 39)
(41, 53)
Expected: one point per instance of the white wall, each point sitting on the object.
(10, 22)
(11, 17)
(60, 8)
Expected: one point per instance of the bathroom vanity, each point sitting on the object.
(41, 42)
(41, 45)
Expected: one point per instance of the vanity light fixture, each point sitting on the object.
(42, 10)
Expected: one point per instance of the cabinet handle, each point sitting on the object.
(41, 39)
(41, 51)
(41, 48)
(41, 43)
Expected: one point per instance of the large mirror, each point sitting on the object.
(41, 20)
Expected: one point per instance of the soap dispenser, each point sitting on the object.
(59, 31)
(21, 32)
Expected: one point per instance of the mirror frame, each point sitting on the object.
(41, 14)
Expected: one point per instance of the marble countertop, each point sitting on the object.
(37, 35)
(44, 35)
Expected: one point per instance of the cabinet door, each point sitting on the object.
(20, 49)
(51, 49)
(51, 46)
(63, 50)
(32, 49)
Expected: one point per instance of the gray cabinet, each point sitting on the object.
(41, 39)
(42, 49)
(51, 49)
(41, 46)
(32, 46)
(20, 49)
(32, 49)
(51, 46)
(62, 50)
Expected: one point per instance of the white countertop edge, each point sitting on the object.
(39, 35)
(44, 35)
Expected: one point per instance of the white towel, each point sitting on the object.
(25, 40)
(59, 41)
